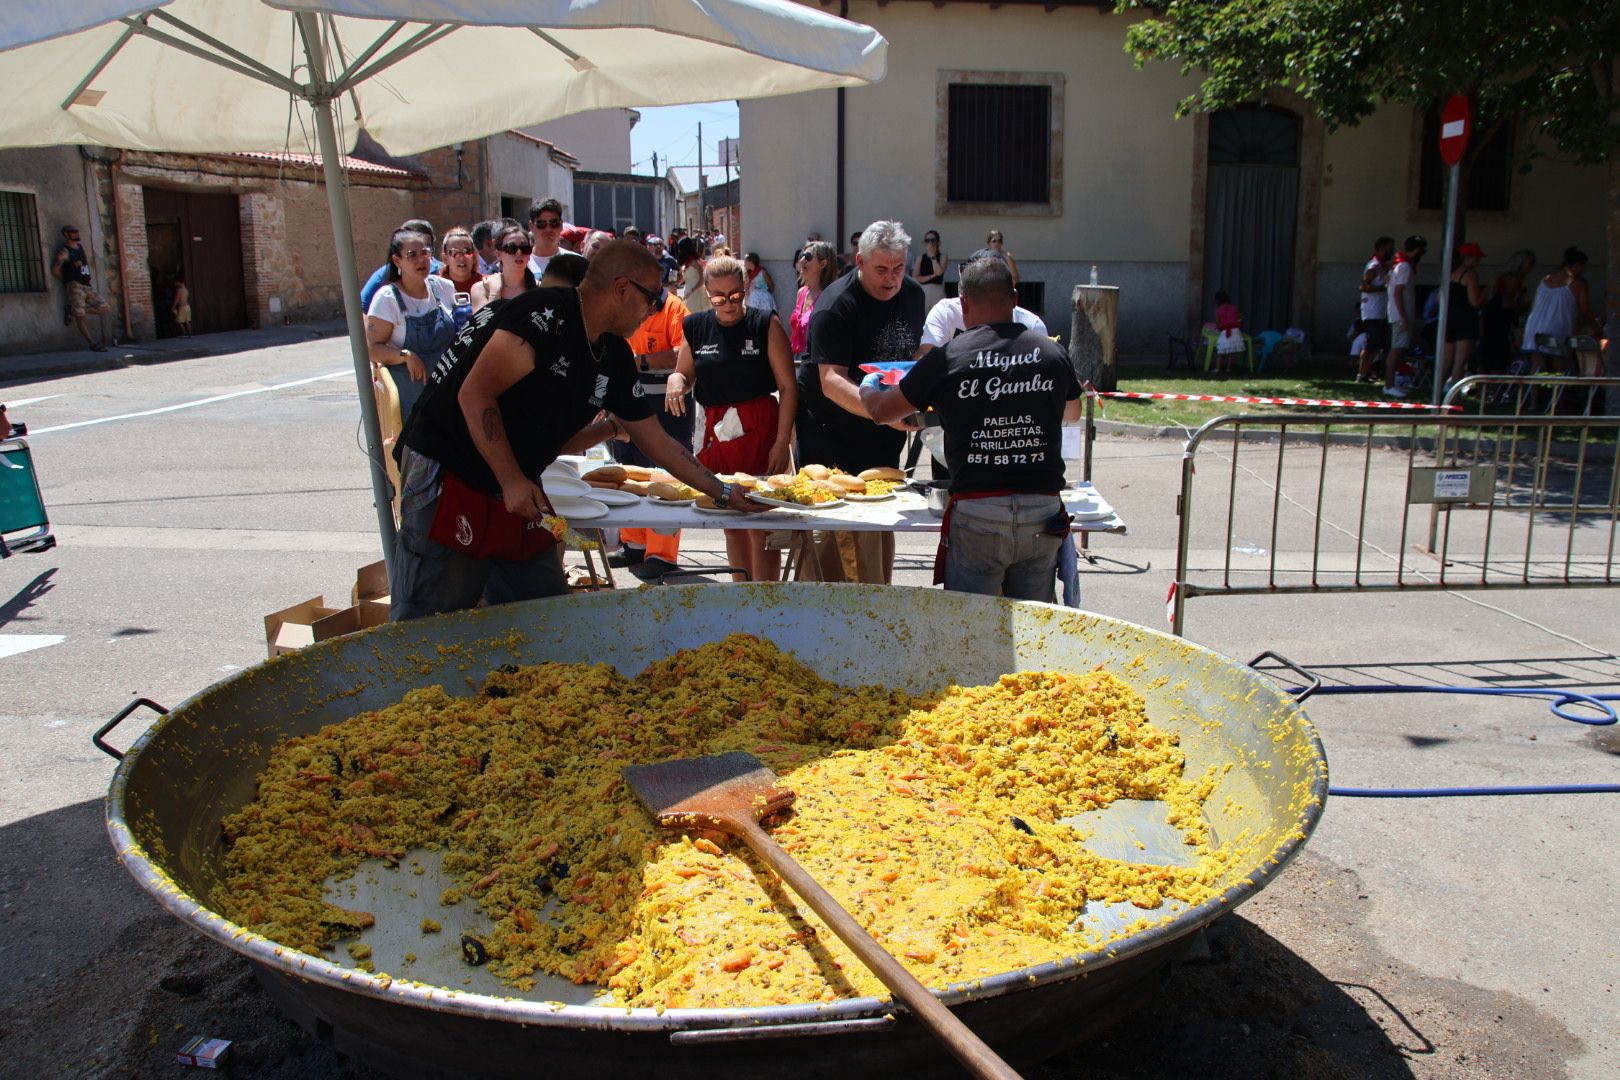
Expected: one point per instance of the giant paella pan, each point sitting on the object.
(200, 764)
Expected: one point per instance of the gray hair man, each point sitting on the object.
(1002, 392)
(872, 315)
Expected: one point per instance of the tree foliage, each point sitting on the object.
(1555, 65)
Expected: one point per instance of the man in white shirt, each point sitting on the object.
(1374, 320)
(1403, 309)
(945, 320)
(545, 226)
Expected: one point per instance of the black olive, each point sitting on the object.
(336, 794)
(483, 763)
(1021, 825)
(1113, 740)
(449, 808)
(497, 691)
(543, 883)
(508, 669)
(559, 869)
(472, 950)
(548, 772)
(337, 762)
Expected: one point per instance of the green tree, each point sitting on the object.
(1556, 66)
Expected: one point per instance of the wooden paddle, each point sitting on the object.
(730, 793)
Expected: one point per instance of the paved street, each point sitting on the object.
(1429, 938)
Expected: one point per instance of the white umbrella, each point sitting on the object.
(239, 75)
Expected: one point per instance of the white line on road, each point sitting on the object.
(34, 432)
(30, 401)
(13, 644)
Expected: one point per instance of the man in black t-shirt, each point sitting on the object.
(520, 385)
(872, 315)
(72, 266)
(1002, 393)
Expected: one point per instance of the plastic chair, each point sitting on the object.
(1210, 335)
(1269, 340)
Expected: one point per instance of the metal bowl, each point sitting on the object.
(200, 762)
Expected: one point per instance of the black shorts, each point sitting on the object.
(1377, 331)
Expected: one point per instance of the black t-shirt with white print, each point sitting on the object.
(542, 410)
(731, 364)
(999, 391)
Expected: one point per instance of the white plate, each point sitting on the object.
(720, 510)
(614, 497)
(1094, 515)
(784, 504)
(572, 510)
(869, 498)
(565, 487)
(654, 500)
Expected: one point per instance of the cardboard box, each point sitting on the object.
(290, 629)
(348, 620)
(203, 1052)
(370, 583)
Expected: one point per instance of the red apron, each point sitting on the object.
(749, 452)
(472, 523)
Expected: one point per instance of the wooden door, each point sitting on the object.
(197, 237)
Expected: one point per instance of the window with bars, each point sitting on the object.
(1490, 173)
(22, 267)
(1003, 139)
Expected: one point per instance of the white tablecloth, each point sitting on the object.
(906, 512)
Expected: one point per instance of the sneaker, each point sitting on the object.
(653, 569)
(628, 557)
(1394, 391)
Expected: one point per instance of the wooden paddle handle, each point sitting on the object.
(958, 1038)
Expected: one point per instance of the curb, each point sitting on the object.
(26, 368)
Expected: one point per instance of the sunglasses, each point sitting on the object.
(654, 297)
(805, 256)
(549, 223)
(727, 297)
(930, 239)
(453, 252)
(517, 249)
(414, 253)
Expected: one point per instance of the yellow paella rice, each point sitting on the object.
(935, 820)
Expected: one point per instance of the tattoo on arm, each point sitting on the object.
(691, 459)
(493, 431)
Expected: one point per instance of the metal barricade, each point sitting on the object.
(1527, 502)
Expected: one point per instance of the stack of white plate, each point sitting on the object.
(570, 496)
(1086, 505)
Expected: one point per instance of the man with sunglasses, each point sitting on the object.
(545, 226)
(521, 384)
(72, 266)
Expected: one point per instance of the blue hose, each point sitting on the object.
(1595, 711)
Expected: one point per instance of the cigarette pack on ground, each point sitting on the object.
(203, 1052)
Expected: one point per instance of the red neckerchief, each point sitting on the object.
(1400, 257)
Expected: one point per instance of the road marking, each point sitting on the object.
(15, 644)
(34, 432)
(30, 401)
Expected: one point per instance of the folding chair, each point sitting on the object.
(22, 507)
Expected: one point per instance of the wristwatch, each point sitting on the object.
(723, 499)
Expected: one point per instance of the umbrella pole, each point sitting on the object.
(337, 197)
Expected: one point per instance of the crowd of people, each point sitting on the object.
(1502, 326)
(510, 344)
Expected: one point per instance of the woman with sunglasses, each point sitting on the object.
(513, 248)
(411, 318)
(818, 268)
(930, 273)
(736, 361)
(461, 270)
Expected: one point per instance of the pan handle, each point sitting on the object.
(100, 737)
(1313, 681)
(703, 1036)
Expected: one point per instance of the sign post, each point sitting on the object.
(1456, 124)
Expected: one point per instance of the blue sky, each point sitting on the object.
(671, 131)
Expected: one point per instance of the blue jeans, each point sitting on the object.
(999, 546)
(429, 578)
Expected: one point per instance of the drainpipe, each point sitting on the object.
(838, 245)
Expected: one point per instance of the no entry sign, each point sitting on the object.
(1456, 123)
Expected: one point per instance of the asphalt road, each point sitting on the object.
(1428, 938)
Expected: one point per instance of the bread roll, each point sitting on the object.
(611, 474)
(816, 472)
(660, 490)
(634, 487)
(745, 481)
(609, 484)
(830, 487)
(637, 472)
(780, 480)
(848, 482)
(659, 476)
(707, 501)
(885, 472)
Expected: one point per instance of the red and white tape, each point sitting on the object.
(1308, 402)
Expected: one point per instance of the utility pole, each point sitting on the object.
(703, 222)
